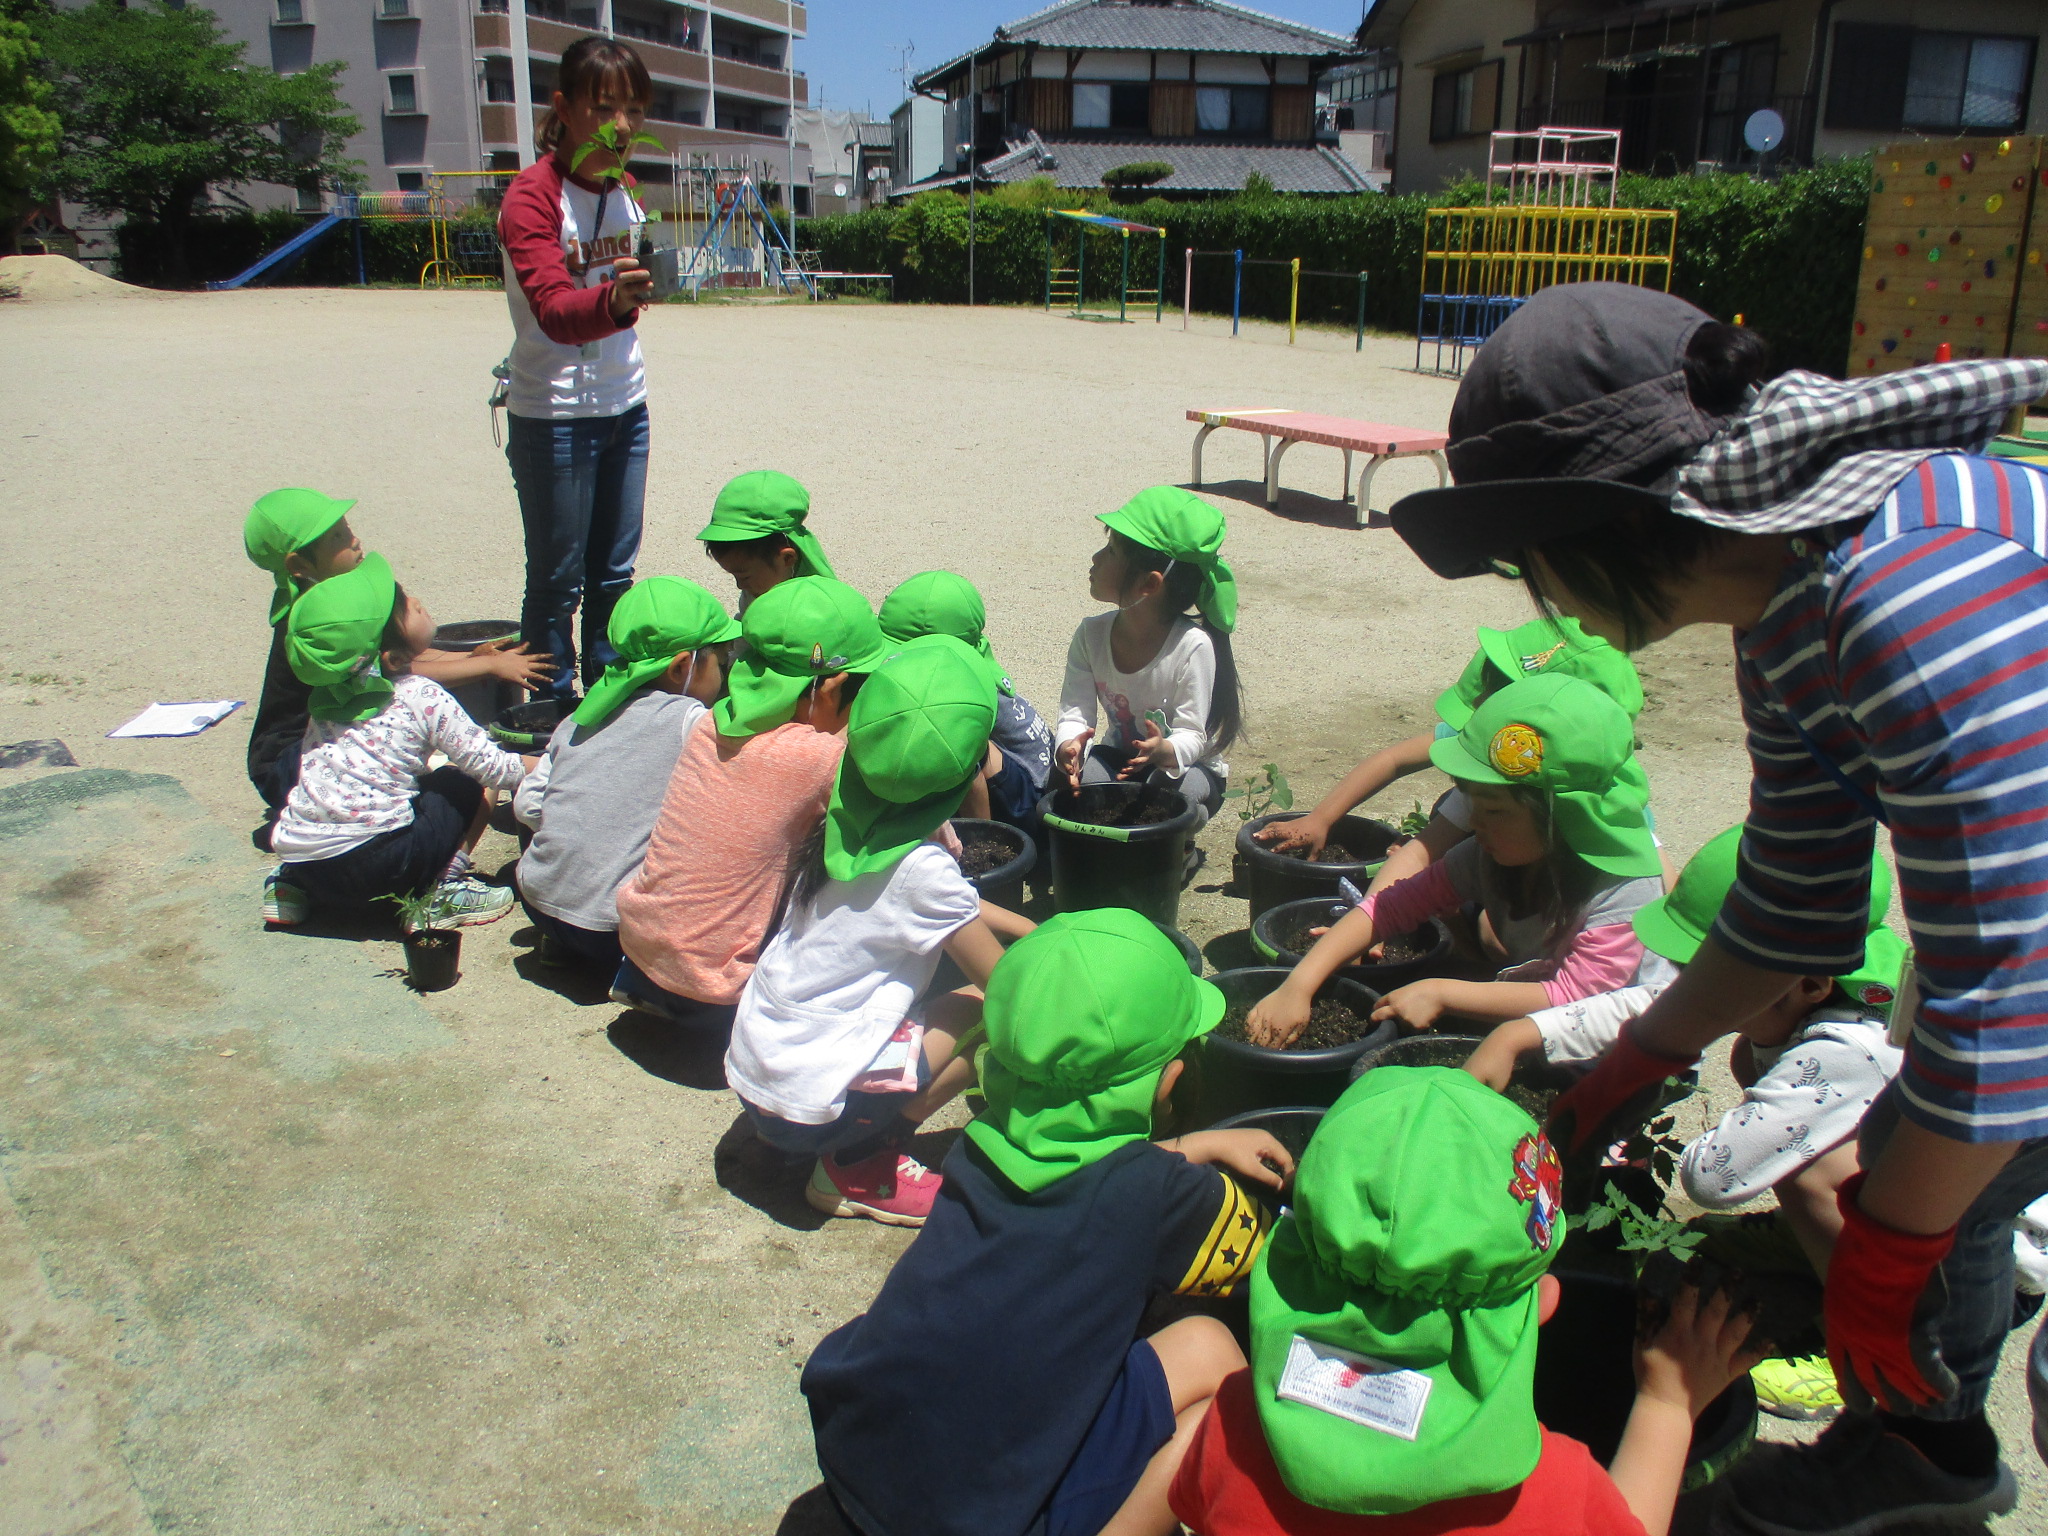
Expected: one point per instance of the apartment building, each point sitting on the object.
(458, 85)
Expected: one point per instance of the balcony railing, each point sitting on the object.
(1675, 131)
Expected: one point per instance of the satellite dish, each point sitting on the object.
(1764, 130)
(839, 189)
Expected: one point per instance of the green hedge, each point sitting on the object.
(218, 246)
(1781, 253)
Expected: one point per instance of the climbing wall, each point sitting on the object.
(1947, 249)
(2030, 315)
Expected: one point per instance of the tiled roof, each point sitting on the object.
(1197, 167)
(876, 135)
(1193, 26)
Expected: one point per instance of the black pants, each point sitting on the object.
(404, 860)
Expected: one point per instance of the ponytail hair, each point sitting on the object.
(1183, 585)
(591, 67)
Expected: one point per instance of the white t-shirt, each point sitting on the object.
(357, 778)
(553, 381)
(832, 986)
(1174, 688)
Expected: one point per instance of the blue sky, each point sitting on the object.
(855, 46)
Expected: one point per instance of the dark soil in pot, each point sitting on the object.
(471, 633)
(1119, 845)
(1330, 1024)
(983, 855)
(433, 959)
(1283, 935)
(483, 699)
(1533, 1088)
(1268, 877)
(527, 727)
(1238, 1076)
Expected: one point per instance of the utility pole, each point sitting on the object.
(967, 149)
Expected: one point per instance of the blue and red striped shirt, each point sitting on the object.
(1910, 652)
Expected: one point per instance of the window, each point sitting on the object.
(1091, 105)
(394, 10)
(1887, 78)
(402, 98)
(498, 88)
(1130, 108)
(1741, 77)
(1242, 110)
(1465, 102)
(412, 181)
(292, 13)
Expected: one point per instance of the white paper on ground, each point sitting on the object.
(1355, 1387)
(178, 719)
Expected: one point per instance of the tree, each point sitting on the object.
(159, 110)
(28, 132)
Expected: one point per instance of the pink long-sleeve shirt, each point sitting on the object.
(1601, 956)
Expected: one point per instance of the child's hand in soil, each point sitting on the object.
(1253, 1154)
(1698, 1352)
(1154, 750)
(1416, 1006)
(1494, 1062)
(518, 664)
(1069, 756)
(1305, 835)
(1277, 1018)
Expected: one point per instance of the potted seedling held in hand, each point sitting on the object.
(618, 145)
(433, 944)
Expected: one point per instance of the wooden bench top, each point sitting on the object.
(1331, 431)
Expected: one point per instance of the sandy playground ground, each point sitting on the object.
(286, 1248)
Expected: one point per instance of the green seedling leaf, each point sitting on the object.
(1598, 1217)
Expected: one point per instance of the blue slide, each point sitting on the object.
(285, 254)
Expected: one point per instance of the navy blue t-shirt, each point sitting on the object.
(953, 1407)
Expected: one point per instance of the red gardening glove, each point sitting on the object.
(1884, 1293)
(1626, 1069)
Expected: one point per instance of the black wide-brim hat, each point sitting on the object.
(1574, 414)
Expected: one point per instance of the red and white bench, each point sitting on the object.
(1282, 429)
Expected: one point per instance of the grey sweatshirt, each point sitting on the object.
(593, 802)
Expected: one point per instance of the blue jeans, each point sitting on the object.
(582, 484)
(1978, 1271)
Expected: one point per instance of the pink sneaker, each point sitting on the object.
(891, 1187)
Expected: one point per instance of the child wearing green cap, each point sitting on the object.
(998, 1384)
(831, 1053)
(1020, 747)
(757, 534)
(593, 799)
(1394, 1320)
(367, 819)
(743, 799)
(302, 537)
(1551, 644)
(1809, 1066)
(1559, 860)
(1164, 684)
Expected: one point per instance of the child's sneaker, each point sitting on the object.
(892, 1187)
(284, 904)
(468, 901)
(1797, 1389)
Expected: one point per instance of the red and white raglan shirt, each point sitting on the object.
(570, 358)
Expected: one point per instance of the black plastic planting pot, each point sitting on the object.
(1140, 867)
(1586, 1385)
(1270, 878)
(483, 699)
(433, 958)
(1291, 1124)
(1002, 886)
(1238, 1077)
(1267, 931)
(527, 727)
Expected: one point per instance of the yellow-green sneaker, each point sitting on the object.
(1797, 1389)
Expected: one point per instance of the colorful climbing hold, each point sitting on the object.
(1966, 285)
(2019, 183)
(1931, 284)
(1880, 285)
(1908, 199)
(2005, 146)
(2033, 258)
(1932, 167)
(1980, 322)
(1946, 182)
(1941, 320)
(1895, 165)
(1869, 251)
(1859, 327)
(1913, 302)
(1994, 202)
(1890, 345)
(1908, 331)
(2041, 325)
(1901, 248)
(1934, 254)
(1955, 237)
(1990, 269)
(1969, 161)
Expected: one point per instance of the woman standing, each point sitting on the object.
(578, 393)
(1888, 593)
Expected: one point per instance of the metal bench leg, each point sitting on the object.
(1345, 489)
(1443, 467)
(1280, 446)
(1201, 437)
(1365, 475)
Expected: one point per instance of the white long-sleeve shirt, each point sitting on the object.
(1174, 688)
(1809, 1096)
(358, 778)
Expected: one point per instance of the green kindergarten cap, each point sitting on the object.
(283, 523)
(1564, 736)
(798, 632)
(1674, 926)
(1538, 647)
(765, 501)
(917, 733)
(1394, 1311)
(655, 622)
(1083, 1013)
(1180, 524)
(334, 640)
(941, 603)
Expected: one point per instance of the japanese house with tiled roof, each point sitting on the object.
(1219, 92)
